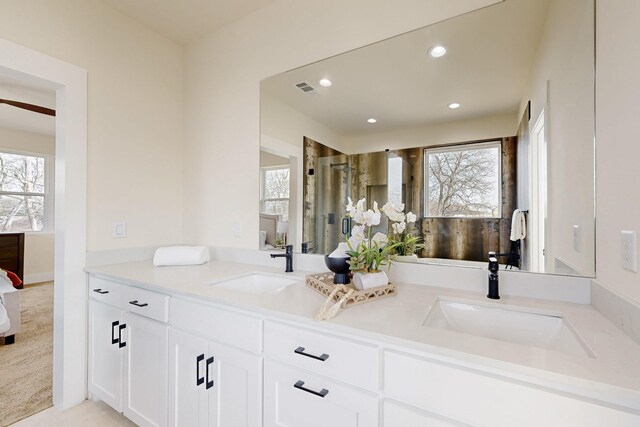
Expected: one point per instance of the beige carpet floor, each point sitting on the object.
(26, 366)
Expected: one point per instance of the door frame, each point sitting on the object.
(70, 291)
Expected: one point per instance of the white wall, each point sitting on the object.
(617, 147)
(565, 59)
(135, 113)
(222, 95)
(19, 140)
(279, 121)
(498, 125)
(38, 247)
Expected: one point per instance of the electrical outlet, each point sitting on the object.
(629, 246)
(577, 238)
(237, 229)
(119, 229)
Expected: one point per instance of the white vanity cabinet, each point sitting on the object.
(479, 398)
(317, 379)
(213, 384)
(128, 352)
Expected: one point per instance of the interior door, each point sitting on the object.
(106, 354)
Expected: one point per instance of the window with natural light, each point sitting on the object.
(22, 192)
(275, 191)
(463, 181)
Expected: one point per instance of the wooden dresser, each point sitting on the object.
(12, 253)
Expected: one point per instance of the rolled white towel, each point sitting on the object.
(181, 255)
(340, 251)
(364, 281)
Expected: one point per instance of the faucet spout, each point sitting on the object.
(494, 292)
(288, 255)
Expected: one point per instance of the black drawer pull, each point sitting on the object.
(121, 343)
(137, 304)
(209, 362)
(100, 291)
(114, 340)
(300, 386)
(300, 351)
(199, 380)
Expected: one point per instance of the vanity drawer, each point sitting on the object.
(294, 397)
(224, 326)
(105, 291)
(483, 399)
(346, 360)
(145, 303)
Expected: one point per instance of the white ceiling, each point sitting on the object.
(185, 20)
(17, 118)
(486, 69)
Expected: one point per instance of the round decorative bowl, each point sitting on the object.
(340, 267)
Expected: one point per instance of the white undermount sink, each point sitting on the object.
(257, 283)
(514, 324)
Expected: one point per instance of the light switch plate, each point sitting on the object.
(119, 229)
(237, 229)
(629, 250)
(577, 238)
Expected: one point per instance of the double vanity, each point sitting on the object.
(231, 344)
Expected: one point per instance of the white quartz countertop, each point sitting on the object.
(613, 375)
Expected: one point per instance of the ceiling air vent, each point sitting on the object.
(305, 87)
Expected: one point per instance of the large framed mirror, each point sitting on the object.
(481, 125)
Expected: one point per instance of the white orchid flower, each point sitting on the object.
(350, 208)
(411, 217)
(399, 227)
(360, 204)
(371, 218)
(381, 239)
(357, 236)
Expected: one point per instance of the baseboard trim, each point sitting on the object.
(30, 279)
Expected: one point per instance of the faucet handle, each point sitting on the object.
(289, 249)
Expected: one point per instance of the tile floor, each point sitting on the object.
(90, 413)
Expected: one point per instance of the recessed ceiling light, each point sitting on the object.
(437, 51)
(325, 82)
(372, 120)
(454, 105)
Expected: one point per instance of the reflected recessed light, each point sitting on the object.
(437, 51)
(372, 120)
(454, 105)
(325, 82)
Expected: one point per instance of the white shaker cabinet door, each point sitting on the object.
(297, 398)
(188, 400)
(146, 371)
(234, 379)
(106, 353)
(399, 415)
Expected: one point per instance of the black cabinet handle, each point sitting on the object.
(199, 380)
(300, 351)
(114, 340)
(300, 386)
(121, 343)
(100, 291)
(137, 304)
(209, 362)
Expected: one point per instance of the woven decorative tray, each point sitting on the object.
(323, 284)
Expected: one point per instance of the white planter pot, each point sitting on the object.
(406, 258)
(363, 281)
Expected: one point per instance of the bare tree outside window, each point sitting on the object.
(463, 182)
(22, 192)
(275, 192)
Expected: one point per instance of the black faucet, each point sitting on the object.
(493, 276)
(289, 256)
